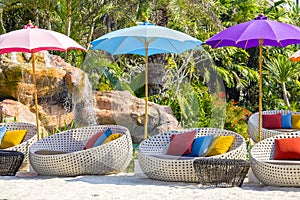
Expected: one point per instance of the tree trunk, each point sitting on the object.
(68, 22)
(36, 14)
(49, 23)
(284, 93)
(2, 29)
(69, 16)
(91, 32)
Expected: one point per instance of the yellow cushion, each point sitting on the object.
(222, 145)
(112, 137)
(212, 144)
(295, 120)
(12, 138)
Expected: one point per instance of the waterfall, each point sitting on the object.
(13, 57)
(83, 101)
(62, 101)
(47, 59)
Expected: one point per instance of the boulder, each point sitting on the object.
(11, 110)
(122, 108)
(16, 79)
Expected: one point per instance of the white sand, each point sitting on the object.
(130, 186)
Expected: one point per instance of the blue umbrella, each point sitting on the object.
(145, 39)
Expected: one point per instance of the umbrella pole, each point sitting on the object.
(146, 92)
(260, 90)
(35, 96)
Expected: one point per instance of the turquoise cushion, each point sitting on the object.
(200, 145)
(2, 132)
(286, 120)
(103, 137)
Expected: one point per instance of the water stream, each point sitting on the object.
(56, 98)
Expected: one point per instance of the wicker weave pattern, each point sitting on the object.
(10, 161)
(266, 133)
(29, 139)
(221, 172)
(176, 169)
(111, 157)
(273, 174)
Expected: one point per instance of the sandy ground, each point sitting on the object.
(125, 186)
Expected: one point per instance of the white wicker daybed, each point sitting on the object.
(266, 133)
(154, 165)
(29, 139)
(273, 172)
(112, 157)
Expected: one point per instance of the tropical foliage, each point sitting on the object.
(193, 90)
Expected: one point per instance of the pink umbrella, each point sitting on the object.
(31, 40)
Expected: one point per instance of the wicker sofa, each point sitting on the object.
(266, 133)
(273, 172)
(108, 158)
(29, 139)
(156, 166)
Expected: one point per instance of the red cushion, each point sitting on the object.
(181, 143)
(90, 143)
(271, 121)
(287, 149)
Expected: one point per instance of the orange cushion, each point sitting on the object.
(287, 149)
(90, 143)
(295, 121)
(181, 143)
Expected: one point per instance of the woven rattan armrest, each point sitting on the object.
(283, 162)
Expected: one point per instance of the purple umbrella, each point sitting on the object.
(258, 32)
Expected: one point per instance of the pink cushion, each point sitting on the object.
(287, 149)
(90, 143)
(181, 143)
(271, 121)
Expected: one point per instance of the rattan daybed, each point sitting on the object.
(154, 165)
(29, 139)
(274, 172)
(72, 160)
(266, 133)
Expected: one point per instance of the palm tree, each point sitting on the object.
(282, 70)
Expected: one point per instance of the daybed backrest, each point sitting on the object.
(255, 117)
(265, 149)
(31, 128)
(158, 144)
(75, 139)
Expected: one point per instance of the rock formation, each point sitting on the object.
(122, 108)
(65, 96)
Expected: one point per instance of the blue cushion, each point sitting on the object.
(103, 137)
(200, 145)
(2, 132)
(286, 120)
